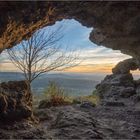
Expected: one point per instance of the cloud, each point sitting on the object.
(92, 58)
(101, 55)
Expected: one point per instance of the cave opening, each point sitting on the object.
(96, 61)
(75, 84)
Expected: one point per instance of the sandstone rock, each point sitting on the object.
(15, 101)
(115, 84)
(125, 66)
(120, 86)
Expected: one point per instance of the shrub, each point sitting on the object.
(54, 96)
(54, 90)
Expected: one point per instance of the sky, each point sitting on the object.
(93, 58)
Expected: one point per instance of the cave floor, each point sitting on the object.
(75, 122)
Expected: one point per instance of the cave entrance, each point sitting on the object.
(96, 62)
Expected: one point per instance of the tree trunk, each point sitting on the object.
(29, 94)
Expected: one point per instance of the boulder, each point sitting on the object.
(87, 104)
(15, 101)
(116, 84)
(120, 86)
(125, 66)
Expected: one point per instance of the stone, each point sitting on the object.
(119, 88)
(125, 66)
(87, 104)
(15, 101)
(114, 85)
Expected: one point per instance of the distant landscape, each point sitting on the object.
(74, 84)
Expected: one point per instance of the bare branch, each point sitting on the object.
(41, 54)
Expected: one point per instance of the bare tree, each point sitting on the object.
(41, 54)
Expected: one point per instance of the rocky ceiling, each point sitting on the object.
(116, 24)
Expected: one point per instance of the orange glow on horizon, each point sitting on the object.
(107, 68)
(95, 68)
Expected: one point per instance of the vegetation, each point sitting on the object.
(54, 90)
(56, 96)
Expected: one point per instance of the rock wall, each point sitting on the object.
(15, 101)
(120, 88)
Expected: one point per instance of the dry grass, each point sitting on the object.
(55, 96)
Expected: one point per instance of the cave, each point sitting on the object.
(116, 26)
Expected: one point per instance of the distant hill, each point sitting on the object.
(74, 84)
(8, 76)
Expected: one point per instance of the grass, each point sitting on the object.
(94, 98)
(55, 96)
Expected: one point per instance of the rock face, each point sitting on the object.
(116, 24)
(114, 85)
(120, 85)
(15, 101)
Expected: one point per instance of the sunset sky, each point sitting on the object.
(76, 37)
